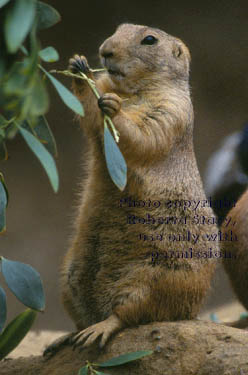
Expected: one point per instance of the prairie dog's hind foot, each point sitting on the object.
(105, 329)
(58, 344)
(110, 104)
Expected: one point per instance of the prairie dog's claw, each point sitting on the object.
(79, 64)
(104, 329)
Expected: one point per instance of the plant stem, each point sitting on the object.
(107, 120)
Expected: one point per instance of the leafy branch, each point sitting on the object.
(92, 85)
(116, 361)
(23, 103)
(23, 95)
(116, 164)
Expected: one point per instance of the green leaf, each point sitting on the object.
(15, 331)
(18, 22)
(125, 358)
(24, 50)
(49, 54)
(25, 282)
(3, 204)
(44, 157)
(116, 164)
(3, 308)
(17, 81)
(45, 135)
(47, 15)
(83, 370)
(100, 373)
(3, 2)
(3, 121)
(68, 98)
(39, 99)
(11, 131)
(5, 187)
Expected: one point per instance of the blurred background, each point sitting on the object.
(39, 222)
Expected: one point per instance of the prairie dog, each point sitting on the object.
(110, 277)
(236, 265)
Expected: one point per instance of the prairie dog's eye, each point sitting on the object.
(149, 39)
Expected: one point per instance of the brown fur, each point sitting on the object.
(108, 274)
(236, 265)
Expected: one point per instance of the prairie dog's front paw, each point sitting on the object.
(79, 64)
(110, 104)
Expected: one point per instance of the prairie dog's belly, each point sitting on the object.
(143, 235)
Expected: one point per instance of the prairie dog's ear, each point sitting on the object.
(179, 50)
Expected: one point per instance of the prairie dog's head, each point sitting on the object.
(135, 55)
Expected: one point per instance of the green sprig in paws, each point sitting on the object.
(115, 161)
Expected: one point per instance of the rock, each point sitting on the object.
(180, 348)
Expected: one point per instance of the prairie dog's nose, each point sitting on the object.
(106, 49)
(106, 54)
